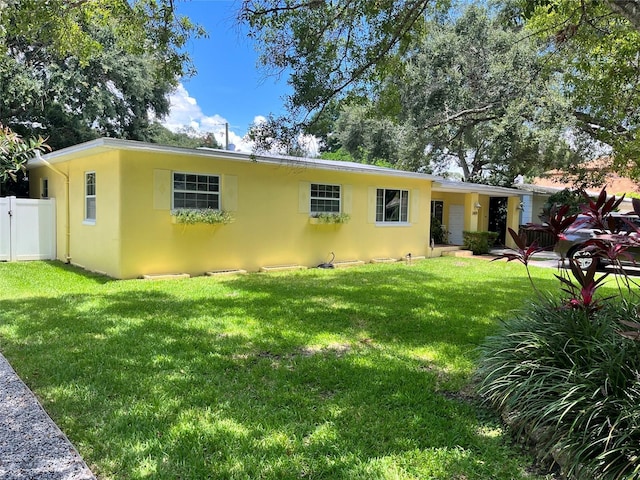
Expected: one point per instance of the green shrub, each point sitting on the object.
(567, 380)
(438, 232)
(566, 373)
(479, 242)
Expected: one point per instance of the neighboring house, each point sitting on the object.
(539, 197)
(115, 198)
(615, 183)
(554, 181)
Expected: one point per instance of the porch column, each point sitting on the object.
(471, 212)
(513, 219)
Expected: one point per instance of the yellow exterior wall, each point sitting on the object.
(96, 246)
(134, 234)
(479, 221)
(271, 224)
(513, 219)
(57, 189)
(448, 199)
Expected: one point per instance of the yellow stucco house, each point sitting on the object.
(116, 202)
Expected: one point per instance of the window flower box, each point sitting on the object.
(207, 216)
(329, 218)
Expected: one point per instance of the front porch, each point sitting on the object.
(460, 206)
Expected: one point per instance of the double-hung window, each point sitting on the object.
(195, 191)
(392, 205)
(90, 197)
(325, 198)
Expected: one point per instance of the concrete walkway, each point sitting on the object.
(32, 447)
(541, 259)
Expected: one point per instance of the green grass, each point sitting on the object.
(336, 374)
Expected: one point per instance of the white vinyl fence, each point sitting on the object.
(27, 229)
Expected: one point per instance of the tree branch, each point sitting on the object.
(630, 9)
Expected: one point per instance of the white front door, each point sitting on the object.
(456, 224)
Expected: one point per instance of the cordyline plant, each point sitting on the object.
(611, 242)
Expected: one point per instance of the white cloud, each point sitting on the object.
(185, 113)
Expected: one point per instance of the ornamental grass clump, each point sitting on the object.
(565, 372)
(567, 382)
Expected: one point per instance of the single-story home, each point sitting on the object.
(119, 207)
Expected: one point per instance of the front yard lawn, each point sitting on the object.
(337, 374)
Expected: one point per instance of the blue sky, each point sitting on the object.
(228, 86)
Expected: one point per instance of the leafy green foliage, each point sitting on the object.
(438, 233)
(332, 48)
(479, 242)
(14, 154)
(77, 70)
(594, 49)
(186, 138)
(566, 379)
(562, 373)
(472, 93)
(332, 217)
(478, 95)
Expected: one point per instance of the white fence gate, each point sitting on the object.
(27, 229)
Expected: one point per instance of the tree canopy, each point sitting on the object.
(336, 51)
(596, 46)
(77, 70)
(473, 94)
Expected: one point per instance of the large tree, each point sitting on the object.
(596, 47)
(330, 48)
(76, 70)
(472, 94)
(335, 49)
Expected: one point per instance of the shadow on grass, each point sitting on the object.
(281, 376)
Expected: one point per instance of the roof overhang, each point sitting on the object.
(537, 189)
(464, 187)
(102, 145)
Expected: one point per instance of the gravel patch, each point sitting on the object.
(31, 445)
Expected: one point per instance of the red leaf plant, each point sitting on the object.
(559, 221)
(582, 293)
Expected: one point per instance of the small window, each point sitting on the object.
(44, 188)
(325, 198)
(90, 196)
(196, 191)
(392, 205)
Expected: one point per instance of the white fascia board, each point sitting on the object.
(105, 144)
(466, 187)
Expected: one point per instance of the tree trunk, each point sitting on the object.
(630, 9)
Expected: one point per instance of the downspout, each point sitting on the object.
(67, 253)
